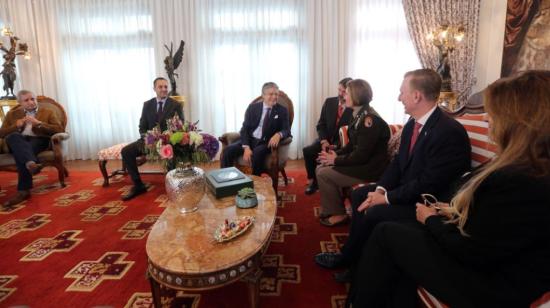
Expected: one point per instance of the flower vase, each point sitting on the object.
(185, 188)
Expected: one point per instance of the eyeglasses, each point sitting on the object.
(430, 200)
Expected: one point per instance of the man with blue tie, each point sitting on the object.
(155, 112)
(265, 124)
(434, 152)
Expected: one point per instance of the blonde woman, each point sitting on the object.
(494, 249)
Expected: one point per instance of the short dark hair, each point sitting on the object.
(427, 81)
(344, 81)
(23, 92)
(157, 79)
(269, 85)
(360, 92)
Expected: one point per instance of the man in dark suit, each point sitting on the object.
(155, 112)
(434, 152)
(265, 124)
(334, 115)
(27, 131)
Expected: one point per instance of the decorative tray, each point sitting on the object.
(231, 229)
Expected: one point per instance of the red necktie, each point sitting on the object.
(266, 122)
(414, 136)
(340, 112)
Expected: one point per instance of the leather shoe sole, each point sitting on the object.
(134, 192)
(329, 260)
(343, 277)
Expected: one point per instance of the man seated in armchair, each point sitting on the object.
(265, 124)
(27, 132)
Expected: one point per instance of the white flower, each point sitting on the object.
(195, 139)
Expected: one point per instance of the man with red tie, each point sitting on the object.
(155, 112)
(334, 115)
(265, 124)
(434, 152)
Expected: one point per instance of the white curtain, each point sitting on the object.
(99, 58)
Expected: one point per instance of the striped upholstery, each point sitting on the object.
(478, 131)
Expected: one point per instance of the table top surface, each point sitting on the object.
(185, 244)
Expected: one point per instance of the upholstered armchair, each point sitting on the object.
(276, 161)
(53, 156)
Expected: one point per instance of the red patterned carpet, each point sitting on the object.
(80, 246)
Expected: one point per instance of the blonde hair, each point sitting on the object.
(519, 108)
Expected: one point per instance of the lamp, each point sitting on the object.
(8, 67)
(446, 38)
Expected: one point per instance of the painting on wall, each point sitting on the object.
(527, 36)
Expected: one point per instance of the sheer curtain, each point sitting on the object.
(381, 51)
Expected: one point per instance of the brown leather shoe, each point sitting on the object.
(21, 196)
(33, 167)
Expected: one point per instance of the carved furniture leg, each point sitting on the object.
(155, 292)
(283, 172)
(253, 281)
(103, 169)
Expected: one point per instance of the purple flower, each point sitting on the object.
(210, 145)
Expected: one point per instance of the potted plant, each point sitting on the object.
(246, 198)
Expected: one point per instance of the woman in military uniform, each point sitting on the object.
(362, 160)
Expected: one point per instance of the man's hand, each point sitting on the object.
(20, 123)
(373, 198)
(325, 145)
(274, 141)
(247, 155)
(423, 212)
(327, 158)
(34, 122)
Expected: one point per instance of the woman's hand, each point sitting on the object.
(423, 212)
(327, 158)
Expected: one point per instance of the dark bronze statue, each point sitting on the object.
(8, 68)
(444, 70)
(171, 63)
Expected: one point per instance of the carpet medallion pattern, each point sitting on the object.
(81, 246)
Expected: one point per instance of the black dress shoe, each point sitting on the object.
(21, 196)
(312, 188)
(135, 191)
(329, 260)
(33, 167)
(343, 277)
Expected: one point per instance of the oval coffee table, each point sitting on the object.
(183, 255)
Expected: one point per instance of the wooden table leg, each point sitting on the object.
(155, 292)
(103, 168)
(253, 281)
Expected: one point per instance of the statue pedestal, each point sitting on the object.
(5, 106)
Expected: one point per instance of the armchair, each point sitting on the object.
(53, 156)
(276, 161)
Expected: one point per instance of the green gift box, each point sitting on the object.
(227, 181)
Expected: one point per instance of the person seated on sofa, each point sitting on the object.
(27, 132)
(334, 115)
(490, 247)
(155, 112)
(434, 152)
(362, 160)
(265, 124)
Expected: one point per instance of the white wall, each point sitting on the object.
(490, 42)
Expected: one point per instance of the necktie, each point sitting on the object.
(265, 124)
(340, 112)
(414, 137)
(159, 112)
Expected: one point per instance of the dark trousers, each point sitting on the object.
(25, 149)
(235, 150)
(399, 257)
(129, 154)
(311, 152)
(362, 224)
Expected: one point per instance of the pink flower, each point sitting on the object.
(166, 151)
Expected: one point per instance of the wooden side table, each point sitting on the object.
(183, 255)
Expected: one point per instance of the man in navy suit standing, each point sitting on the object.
(334, 115)
(434, 153)
(265, 124)
(155, 112)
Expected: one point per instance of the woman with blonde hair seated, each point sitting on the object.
(491, 246)
(362, 160)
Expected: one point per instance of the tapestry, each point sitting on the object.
(526, 37)
(81, 246)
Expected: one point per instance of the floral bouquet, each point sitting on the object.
(181, 144)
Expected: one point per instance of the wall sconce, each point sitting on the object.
(446, 38)
(10, 53)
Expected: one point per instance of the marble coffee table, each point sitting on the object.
(183, 255)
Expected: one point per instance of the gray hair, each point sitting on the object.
(23, 92)
(269, 85)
